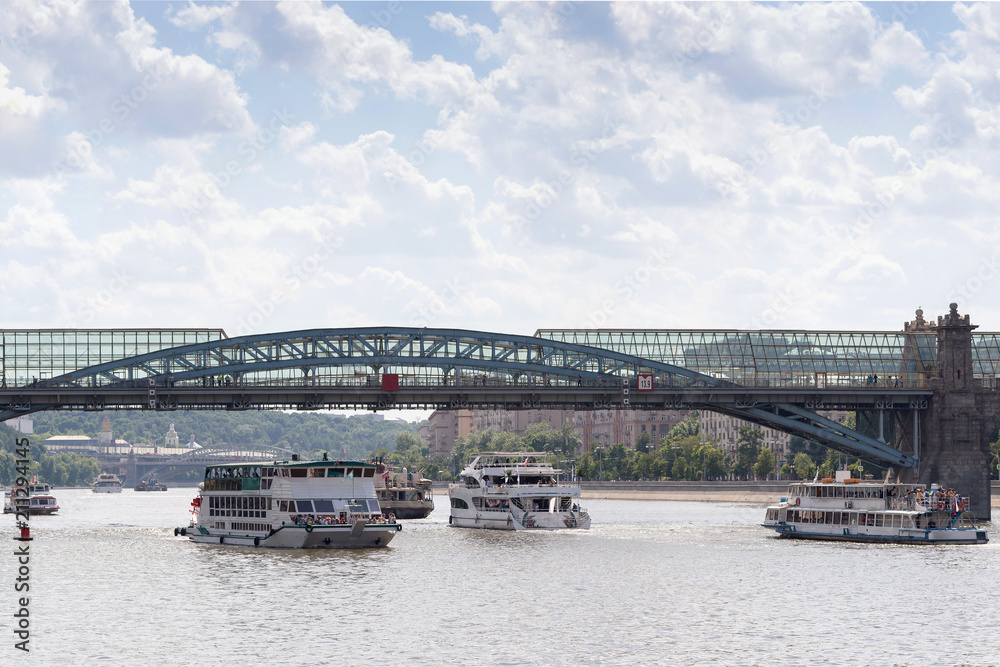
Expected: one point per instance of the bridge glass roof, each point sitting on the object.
(791, 358)
(37, 353)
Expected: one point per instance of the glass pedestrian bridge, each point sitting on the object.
(752, 359)
(820, 359)
(35, 354)
(774, 378)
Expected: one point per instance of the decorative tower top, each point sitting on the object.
(954, 354)
(918, 323)
(171, 439)
(104, 437)
(953, 319)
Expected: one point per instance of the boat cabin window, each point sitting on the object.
(303, 506)
(358, 472)
(335, 472)
(323, 505)
(317, 472)
(369, 472)
(459, 504)
(298, 472)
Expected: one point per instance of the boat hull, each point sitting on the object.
(415, 509)
(366, 536)
(108, 489)
(906, 536)
(537, 521)
(34, 511)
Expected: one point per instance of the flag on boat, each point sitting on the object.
(385, 475)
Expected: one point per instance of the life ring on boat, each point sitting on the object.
(798, 501)
(940, 505)
(256, 541)
(309, 528)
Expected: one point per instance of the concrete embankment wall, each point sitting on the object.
(721, 492)
(736, 492)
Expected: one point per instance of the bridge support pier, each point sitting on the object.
(954, 443)
(131, 469)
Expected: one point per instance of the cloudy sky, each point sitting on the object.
(265, 167)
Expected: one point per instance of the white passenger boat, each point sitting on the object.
(39, 495)
(290, 505)
(866, 511)
(107, 483)
(514, 491)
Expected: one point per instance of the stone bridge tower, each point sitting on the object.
(954, 443)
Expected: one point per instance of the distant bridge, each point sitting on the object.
(165, 466)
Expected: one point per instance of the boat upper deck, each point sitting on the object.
(253, 477)
(876, 496)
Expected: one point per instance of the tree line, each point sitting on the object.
(56, 469)
(412, 453)
(682, 454)
(307, 433)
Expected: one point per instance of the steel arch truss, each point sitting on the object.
(812, 426)
(422, 356)
(328, 360)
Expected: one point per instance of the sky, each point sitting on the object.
(263, 167)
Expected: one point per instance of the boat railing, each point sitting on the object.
(503, 488)
(933, 503)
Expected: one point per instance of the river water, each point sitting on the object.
(652, 582)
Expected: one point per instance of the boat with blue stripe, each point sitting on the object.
(853, 510)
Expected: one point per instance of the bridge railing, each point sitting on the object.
(334, 381)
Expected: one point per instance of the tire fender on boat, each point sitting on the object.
(177, 531)
(222, 539)
(398, 528)
(184, 531)
(309, 528)
(449, 520)
(256, 541)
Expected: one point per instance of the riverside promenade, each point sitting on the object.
(760, 493)
(724, 492)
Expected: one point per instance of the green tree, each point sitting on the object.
(748, 448)
(243, 434)
(804, 466)
(714, 461)
(406, 440)
(766, 463)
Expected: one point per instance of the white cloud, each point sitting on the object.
(195, 16)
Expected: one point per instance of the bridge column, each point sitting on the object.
(131, 469)
(954, 448)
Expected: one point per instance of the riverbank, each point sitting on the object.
(719, 492)
(758, 493)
